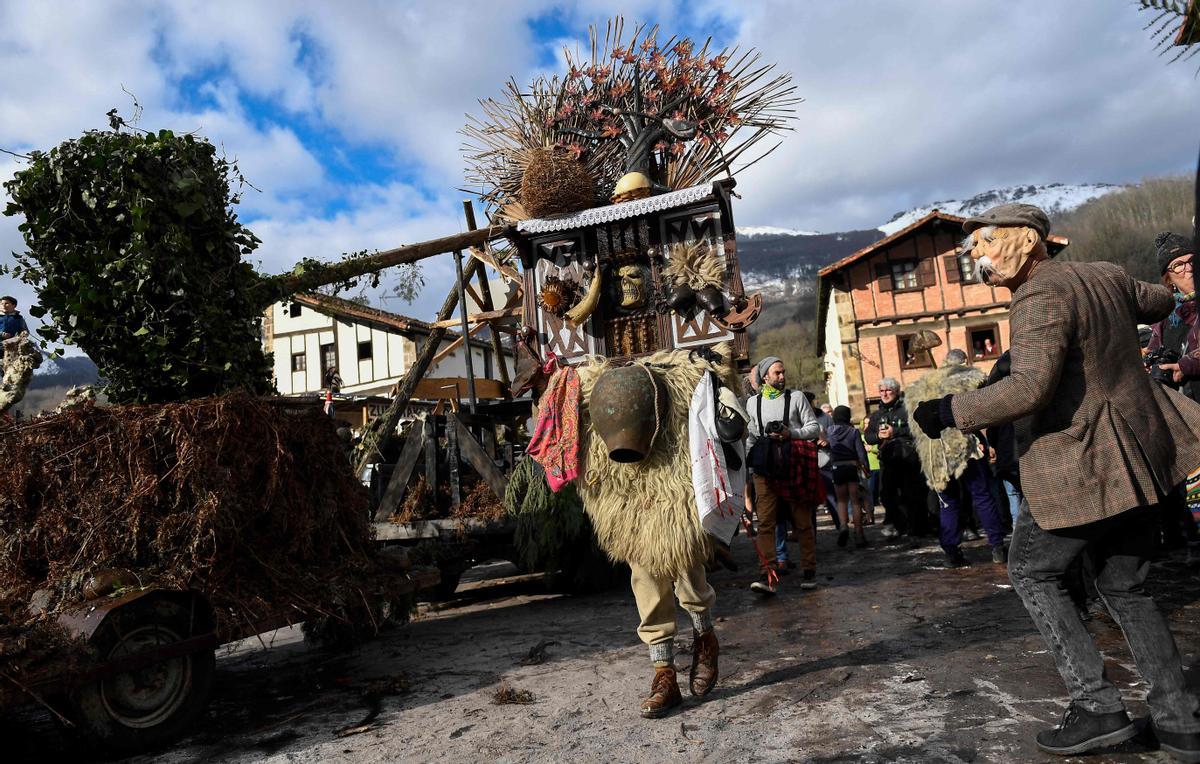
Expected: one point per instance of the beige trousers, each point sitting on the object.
(656, 602)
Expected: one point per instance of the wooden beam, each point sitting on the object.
(476, 296)
(408, 383)
(431, 449)
(507, 271)
(403, 471)
(477, 457)
(452, 456)
(487, 315)
(290, 283)
(456, 344)
(453, 388)
(485, 290)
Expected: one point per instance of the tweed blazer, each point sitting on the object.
(1095, 434)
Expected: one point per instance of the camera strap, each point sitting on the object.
(787, 397)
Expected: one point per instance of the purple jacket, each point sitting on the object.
(1190, 363)
(846, 444)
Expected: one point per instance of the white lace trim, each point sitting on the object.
(611, 212)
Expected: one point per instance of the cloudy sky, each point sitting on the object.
(345, 114)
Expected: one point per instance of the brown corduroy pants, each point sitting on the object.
(766, 507)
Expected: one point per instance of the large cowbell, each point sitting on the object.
(628, 408)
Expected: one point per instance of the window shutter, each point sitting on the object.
(927, 272)
(953, 274)
(883, 273)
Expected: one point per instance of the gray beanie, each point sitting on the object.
(765, 364)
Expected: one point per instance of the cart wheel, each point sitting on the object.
(151, 706)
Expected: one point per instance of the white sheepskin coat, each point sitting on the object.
(645, 513)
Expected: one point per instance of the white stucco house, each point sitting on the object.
(371, 348)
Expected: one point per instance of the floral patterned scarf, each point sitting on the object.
(555, 442)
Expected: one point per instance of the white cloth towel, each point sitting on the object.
(719, 493)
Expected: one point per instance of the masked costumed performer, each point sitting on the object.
(1100, 444)
(955, 463)
(637, 489)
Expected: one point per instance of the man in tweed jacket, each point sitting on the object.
(1100, 442)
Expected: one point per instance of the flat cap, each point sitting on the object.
(1011, 215)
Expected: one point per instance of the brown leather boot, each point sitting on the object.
(703, 675)
(664, 693)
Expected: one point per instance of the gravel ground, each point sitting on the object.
(892, 658)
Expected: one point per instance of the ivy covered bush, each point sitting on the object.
(137, 257)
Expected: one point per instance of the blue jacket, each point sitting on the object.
(12, 323)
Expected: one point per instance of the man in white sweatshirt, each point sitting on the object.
(782, 414)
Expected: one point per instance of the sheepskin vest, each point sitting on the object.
(945, 458)
(645, 513)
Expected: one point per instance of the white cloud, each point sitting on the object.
(382, 217)
(906, 102)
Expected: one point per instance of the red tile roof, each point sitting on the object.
(347, 308)
(1055, 244)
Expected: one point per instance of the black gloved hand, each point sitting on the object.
(928, 416)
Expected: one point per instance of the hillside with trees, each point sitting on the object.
(1120, 227)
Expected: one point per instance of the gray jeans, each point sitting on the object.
(1120, 548)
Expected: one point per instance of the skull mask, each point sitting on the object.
(631, 287)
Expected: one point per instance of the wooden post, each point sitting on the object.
(476, 456)
(404, 467)
(485, 302)
(431, 454)
(452, 454)
(404, 390)
(466, 327)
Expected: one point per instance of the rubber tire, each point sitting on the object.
(90, 706)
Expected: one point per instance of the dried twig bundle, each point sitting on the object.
(253, 507)
(588, 111)
(555, 182)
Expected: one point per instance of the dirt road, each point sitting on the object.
(893, 658)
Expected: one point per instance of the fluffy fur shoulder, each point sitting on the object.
(645, 513)
(945, 458)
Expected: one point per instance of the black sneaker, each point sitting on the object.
(955, 559)
(843, 536)
(809, 580)
(764, 586)
(1184, 746)
(1000, 555)
(1082, 731)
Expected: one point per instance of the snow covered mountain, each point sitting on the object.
(783, 262)
(1054, 198)
(68, 370)
(765, 231)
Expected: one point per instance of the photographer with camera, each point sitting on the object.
(1171, 356)
(783, 457)
(1172, 359)
(902, 486)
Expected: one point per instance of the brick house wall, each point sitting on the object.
(874, 301)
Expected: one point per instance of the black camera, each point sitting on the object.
(1154, 361)
(776, 427)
